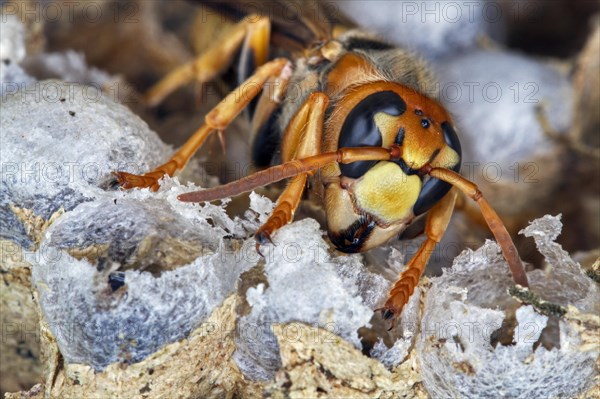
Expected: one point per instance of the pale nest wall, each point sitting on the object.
(140, 295)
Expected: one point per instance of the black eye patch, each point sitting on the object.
(434, 190)
(359, 128)
(452, 140)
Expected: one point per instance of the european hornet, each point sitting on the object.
(384, 152)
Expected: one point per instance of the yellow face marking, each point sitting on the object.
(388, 126)
(386, 192)
(447, 158)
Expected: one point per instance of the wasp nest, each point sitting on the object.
(473, 330)
(140, 295)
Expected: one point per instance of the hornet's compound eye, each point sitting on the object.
(434, 190)
(452, 141)
(360, 130)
